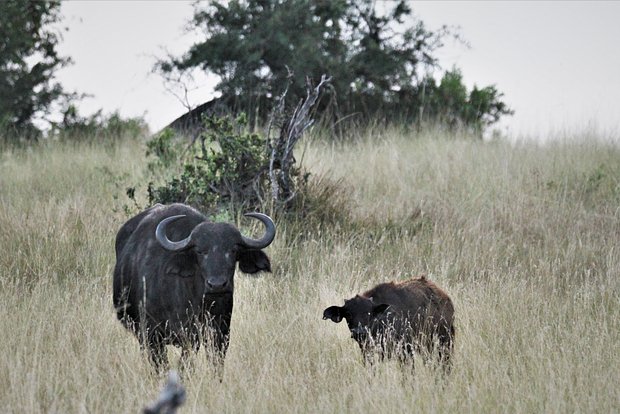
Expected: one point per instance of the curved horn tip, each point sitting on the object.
(256, 214)
(270, 232)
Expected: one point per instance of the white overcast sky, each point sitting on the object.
(558, 62)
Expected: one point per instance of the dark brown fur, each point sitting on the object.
(398, 318)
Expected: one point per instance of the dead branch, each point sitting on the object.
(281, 158)
(277, 112)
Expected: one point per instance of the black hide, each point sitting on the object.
(185, 297)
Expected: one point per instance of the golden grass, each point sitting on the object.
(524, 238)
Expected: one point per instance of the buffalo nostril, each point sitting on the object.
(217, 284)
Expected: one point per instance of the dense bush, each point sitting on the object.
(226, 171)
(226, 166)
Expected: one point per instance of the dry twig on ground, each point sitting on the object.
(171, 397)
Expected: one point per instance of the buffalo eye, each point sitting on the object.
(200, 251)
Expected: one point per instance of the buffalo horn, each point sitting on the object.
(160, 235)
(270, 232)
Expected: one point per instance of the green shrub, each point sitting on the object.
(112, 127)
(226, 166)
(226, 171)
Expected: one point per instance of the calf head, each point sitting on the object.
(362, 314)
(212, 250)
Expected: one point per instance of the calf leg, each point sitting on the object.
(445, 345)
(405, 353)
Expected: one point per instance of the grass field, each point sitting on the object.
(525, 239)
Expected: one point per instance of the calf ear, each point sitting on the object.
(379, 309)
(334, 313)
(253, 261)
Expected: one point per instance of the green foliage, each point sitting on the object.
(28, 61)
(227, 170)
(112, 127)
(226, 166)
(376, 56)
(164, 148)
(453, 105)
(241, 156)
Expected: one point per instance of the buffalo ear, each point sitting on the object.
(335, 313)
(379, 309)
(253, 261)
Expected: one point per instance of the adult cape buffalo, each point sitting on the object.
(174, 277)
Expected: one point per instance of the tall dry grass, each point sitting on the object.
(524, 238)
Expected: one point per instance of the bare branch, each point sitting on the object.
(281, 157)
(277, 110)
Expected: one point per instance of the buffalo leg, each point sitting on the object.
(156, 349)
(445, 351)
(221, 335)
(370, 352)
(216, 339)
(406, 353)
(220, 312)
(188, 349)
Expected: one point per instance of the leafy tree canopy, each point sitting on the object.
(379, 60)
(28, 60)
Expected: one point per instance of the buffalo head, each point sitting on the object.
(212, 250)
(362, 315)
(396, 319)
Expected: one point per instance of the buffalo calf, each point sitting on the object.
(398, 318)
